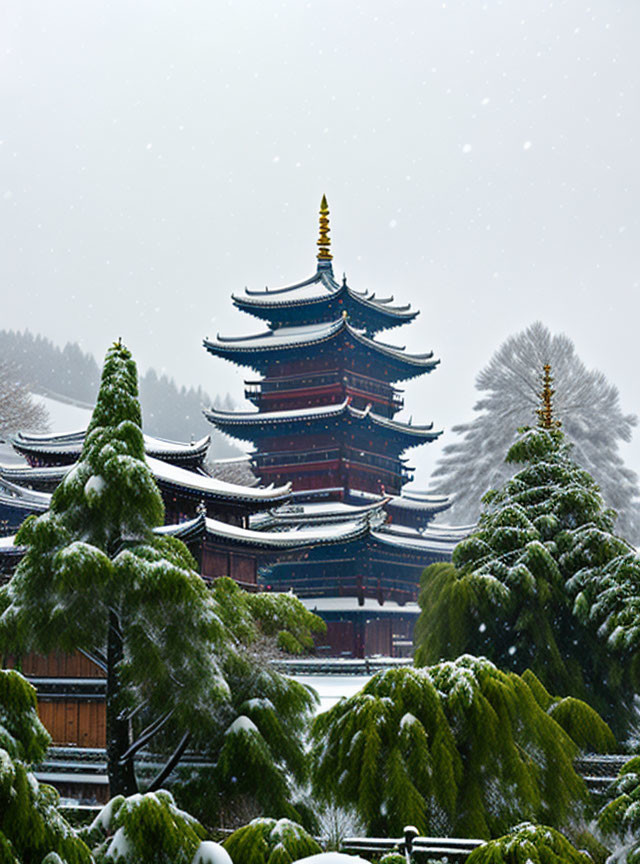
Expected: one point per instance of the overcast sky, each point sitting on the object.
(481, 161)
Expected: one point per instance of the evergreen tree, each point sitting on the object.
(257, 748)
(619, 819)
(31, 826)
(270, 841)
(95, 577)
(526, 588)
(459, 749)
(531, 844)
(587, 404)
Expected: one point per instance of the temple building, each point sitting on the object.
(325, 422)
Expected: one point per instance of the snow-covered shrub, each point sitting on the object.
(542, 583)
(31, 825)
(460, 748)
(145, 829)
(270, 841)
(531, 844)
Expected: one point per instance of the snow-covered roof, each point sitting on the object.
(249, 349)
(70, 444)
(319, 287)
(405, 537)
(352, 604)
(165, 472)
(317, 513)
(420, 502)
(15, 493)
(262, 419)
(310, 535)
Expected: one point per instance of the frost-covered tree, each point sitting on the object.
(532, 844)
(270, 841)
(31, 826)
(526, 589)
(95, 577)
(460, 749)
(17, 408)
(586, 403)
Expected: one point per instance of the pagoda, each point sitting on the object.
(326, 398)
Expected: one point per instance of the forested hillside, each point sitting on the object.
(168, 411)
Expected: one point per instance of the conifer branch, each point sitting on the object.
(171, 763)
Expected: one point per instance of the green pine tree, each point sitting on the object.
(31, 826)
(527, 588)
(459, 749)
(96, 578)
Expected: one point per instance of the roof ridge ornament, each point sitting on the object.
(324, 241)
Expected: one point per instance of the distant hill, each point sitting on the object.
(168, 411)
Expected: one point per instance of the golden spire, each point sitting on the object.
(324, 241)
(545, 411)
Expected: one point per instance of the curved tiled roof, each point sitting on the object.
(69, 444)
(257, 350)
(261, 421)
(310, 295)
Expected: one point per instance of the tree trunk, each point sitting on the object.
(122, 780)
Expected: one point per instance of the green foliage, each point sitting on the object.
(267, 841)
(460, 749)
(393, 858)
(257, 747)
(144, 829)
(282, 617)
(529, 844)
(620, 817)
(542, 584)
(30, 823)
(95, 577)
(22, 735)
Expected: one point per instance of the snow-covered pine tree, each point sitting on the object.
(587, 404)
(270, 841)
(460, 749)
(31, 826)
(524, 587)
(95, 577)
(532, 844)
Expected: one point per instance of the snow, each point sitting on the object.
(332, 688)
(64, 415)
(331, 858)
(202, 482)
(209, 852)
(270, 416)
(94, 486)
(350, 604)
(242, 724)
(120, 846)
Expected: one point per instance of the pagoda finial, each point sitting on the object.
(545, 411)
(324, 241)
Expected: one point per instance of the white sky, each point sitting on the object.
(480, 161)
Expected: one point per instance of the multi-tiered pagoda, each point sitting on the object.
(326, 400)
(325, 422)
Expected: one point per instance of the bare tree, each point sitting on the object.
(586, 403)
(17, 408)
